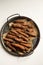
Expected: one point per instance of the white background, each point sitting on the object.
(29, 8)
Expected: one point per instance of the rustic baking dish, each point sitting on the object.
(5, 28)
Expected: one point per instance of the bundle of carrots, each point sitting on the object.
(20, 36)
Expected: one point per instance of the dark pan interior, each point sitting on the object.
(5, 28)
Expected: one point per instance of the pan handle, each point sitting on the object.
(14, 15)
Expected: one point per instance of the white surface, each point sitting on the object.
(29, 8)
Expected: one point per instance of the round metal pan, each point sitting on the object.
(5, 28)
